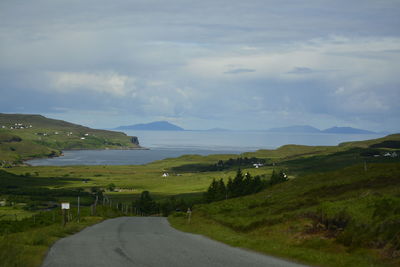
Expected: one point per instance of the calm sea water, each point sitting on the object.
(167, 144)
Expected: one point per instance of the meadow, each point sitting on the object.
(327, 213)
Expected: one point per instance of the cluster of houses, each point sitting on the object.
(391, 154)
(258, 165)
(83, 138)
(387, 154)
(17, 126)
(57, 133)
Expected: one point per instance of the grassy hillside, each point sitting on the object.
(30, 136)
(340, 207)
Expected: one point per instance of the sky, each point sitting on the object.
(203, 64)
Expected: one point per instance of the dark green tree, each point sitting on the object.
(111, 187)
(221, 190)
(247, 184)
(229, 188)
(257, 184)
(277, 178)
(145, 204)
(212, 192)
(237, 185)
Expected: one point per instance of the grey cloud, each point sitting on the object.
(301, 70)
(153, 42)
(238, 71)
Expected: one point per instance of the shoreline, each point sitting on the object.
(25, 163)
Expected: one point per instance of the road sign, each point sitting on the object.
(65, 206)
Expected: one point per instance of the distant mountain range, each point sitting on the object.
(295, 129)
(347, 130)
(152, 126)
(167, 126)
(310, 129)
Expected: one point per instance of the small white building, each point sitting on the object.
(83, 138)
(165, 174)
(258, 165)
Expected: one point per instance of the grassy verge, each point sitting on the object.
(280, 241)
(28, 248)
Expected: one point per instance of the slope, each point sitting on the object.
(339, 208)
(28, 136)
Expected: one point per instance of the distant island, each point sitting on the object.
(295, 129)
(347, 130)
(152, 126)
(306, 129)
(310, 129)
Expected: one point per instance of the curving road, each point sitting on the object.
(148, 241)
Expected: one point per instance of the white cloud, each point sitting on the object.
(104, 82)
(326, 58)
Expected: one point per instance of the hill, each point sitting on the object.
(310, 129)
(340, 206)
(295, 129)
(30, 136)
(346, 130)
(152, 126)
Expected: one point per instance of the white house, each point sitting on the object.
(165, 174)
(257, 165)
(83, 138)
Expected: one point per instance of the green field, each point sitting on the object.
(328, 213)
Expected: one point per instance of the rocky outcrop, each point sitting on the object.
(135, 140)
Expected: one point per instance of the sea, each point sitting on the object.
(170, 144)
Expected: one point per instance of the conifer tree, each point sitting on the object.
(212, 191)
(229, 188)
(238, 184)
(247, 184)
(221, 192)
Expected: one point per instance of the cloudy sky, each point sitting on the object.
(203, 64)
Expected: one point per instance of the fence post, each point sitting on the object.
(79, 211)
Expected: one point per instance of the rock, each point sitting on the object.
(135, 140)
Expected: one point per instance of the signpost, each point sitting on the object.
(189, 214)
(64, 206)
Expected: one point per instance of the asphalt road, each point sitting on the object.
(148, 241)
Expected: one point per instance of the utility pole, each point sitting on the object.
(79, 211)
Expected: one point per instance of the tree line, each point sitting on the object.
(220, 165)
(241, 185)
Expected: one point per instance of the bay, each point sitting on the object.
(169, 144)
